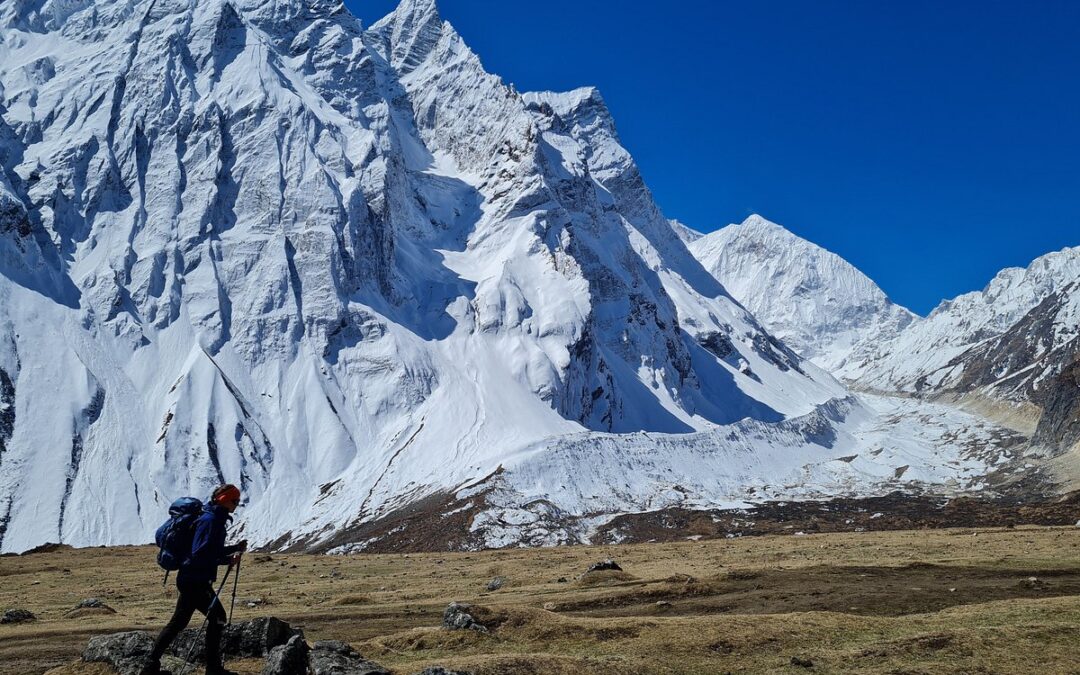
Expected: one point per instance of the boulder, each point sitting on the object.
(90, 602)
(331, 657)
(17, 616)
(125, 652)
(496, 583)
(604, 566)
(290, 658)
(246, 639)
(457, 617)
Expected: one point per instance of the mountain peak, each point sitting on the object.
(804, 294)
(424, 10)
(756, 221)
(414, 28)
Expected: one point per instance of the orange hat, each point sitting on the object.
(226, 494)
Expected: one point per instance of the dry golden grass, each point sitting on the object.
(947, 601)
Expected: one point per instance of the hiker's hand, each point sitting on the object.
(234, 560)
(242, 546)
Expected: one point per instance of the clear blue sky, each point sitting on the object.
(929, 143)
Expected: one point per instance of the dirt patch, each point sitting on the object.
(895, 511)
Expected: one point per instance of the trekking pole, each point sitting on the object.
(195, 640)
(235, 581)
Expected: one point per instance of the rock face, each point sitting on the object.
(331, 657)
(813, 300)
(253, 242)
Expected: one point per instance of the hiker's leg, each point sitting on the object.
(185, 607)
(211, 606)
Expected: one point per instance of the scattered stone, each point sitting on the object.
(90, 602)
(496, 583)
(290, 658)
(801, 663)
(457, 617)
(89, 607)
(263, 559)
(562, 580)
(604, 566)
(331, 657)
(439, 670)
(125, 652)
(550, 606)
(663, 604)
(17, 616)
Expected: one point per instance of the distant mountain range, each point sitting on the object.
(354, 273)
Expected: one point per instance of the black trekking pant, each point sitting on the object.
(194, 596)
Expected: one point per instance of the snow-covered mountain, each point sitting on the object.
(812, 299)
(356, 274)
(247, 240)
(1009, 350)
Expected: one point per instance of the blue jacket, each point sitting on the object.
(208, 549)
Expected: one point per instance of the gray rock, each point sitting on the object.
(246, 639)
(90, 602)
(290, 658)
(496, 583)
(603, 566)
(457, 617)
(17, 616)
(331, 657)
(125, 652)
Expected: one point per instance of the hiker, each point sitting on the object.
(195, 581)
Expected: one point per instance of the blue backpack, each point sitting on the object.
(174, 536)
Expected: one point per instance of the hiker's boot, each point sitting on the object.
(152, 667)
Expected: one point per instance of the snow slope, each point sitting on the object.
(812, 299)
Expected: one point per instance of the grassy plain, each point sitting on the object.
(929, 601)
